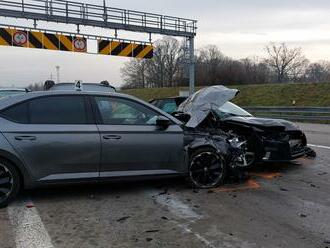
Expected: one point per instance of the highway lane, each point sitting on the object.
(282, 205)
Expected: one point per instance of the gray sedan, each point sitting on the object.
(60, 137)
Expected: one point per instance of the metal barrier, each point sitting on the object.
(99, 16)
(292, 113)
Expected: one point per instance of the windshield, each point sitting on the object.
(4, 93)
(230, 109)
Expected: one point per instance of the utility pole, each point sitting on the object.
(58, 74)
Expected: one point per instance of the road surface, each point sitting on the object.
(283, 205)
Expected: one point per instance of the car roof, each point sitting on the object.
(12, 89)
(12, 100)
(85, 87)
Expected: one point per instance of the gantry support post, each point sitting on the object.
(191, 65)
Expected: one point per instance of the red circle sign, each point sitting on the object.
(20, 38)
(80, 44)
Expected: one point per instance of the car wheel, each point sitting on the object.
(207, 168)
(9, 182)
(248, 159)
(310, 153)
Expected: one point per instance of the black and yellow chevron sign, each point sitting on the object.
(41, 40)
(116, 48)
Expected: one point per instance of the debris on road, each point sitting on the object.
(30, 205)
(164, 192)
(152, 231)
(123, 219)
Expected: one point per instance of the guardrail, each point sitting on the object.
(292, 113)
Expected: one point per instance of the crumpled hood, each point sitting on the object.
(264, 123)
(200, 104)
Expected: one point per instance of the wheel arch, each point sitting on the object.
(15, 161)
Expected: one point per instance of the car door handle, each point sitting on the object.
(21, 138)
(111, 137)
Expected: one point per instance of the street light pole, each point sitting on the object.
(58, 74)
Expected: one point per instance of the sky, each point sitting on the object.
(240, 28)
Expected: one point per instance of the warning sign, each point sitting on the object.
(80, 45)
(41, 40)
(20, 38)
(116, 48)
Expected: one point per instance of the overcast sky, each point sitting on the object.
(241, 28)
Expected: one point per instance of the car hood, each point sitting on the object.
(264, 123)
(201, 104)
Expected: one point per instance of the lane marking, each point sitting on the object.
(177, 207)
(184, 212)
(319, 146)
(29, 231)
(197, 235)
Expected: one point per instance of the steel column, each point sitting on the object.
(192, 65)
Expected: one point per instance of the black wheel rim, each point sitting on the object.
(206, 169)
(248, 159)
(6, 182)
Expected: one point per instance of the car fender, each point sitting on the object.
(7, 152)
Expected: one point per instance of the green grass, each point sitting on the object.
(312, 95)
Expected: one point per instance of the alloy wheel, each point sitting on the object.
(6, 182)
(206, 170)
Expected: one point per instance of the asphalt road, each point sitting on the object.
(283, 205)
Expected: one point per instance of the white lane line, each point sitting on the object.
(319, 146)
(197, 235)
(186, 213)
(177, 207)
(28, 228)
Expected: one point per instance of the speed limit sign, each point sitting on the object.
(20, 38)
(80, 45)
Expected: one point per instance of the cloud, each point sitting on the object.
(240, 28)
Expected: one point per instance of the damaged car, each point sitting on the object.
(65, 137)
(266, 140)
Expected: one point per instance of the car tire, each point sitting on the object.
(207, 168)
(310, 153)
(9, 182)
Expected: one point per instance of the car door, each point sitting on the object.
(132, 144)
(55, 136)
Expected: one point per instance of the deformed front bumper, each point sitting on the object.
(284, 150)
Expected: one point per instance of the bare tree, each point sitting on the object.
(287, 63)
(164, 70)
(36, 87)
(167, 68)
(318, 72)
(209, 62)
(134, 73)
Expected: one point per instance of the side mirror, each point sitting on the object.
(183, 117)
(163, 122)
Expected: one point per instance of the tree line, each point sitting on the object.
(169, 67)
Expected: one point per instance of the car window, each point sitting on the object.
(62, 110)
(169, 107)
(17, 113)
(58, 110)
(4, 93)
(231, 109)
(116, 111)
